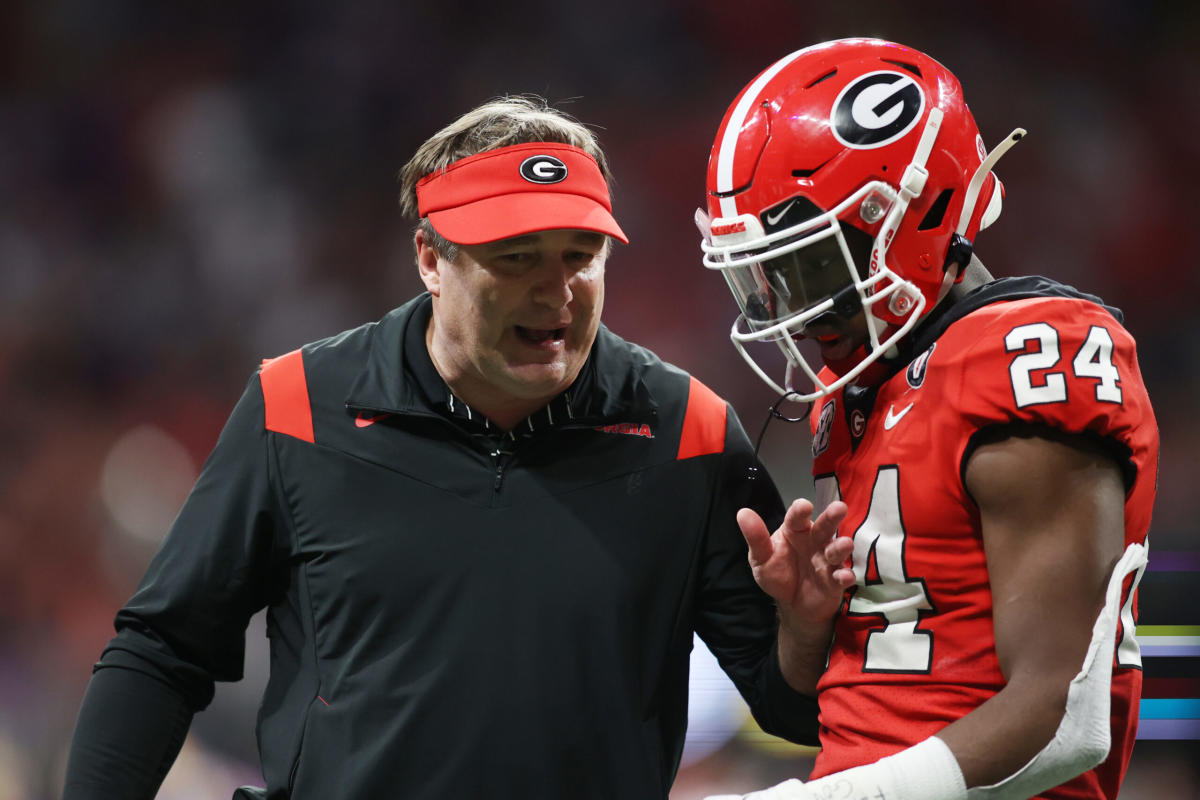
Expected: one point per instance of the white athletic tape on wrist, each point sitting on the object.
(925, 771)
(1084, 736)
(791, 789)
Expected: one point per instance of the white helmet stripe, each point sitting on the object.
(738, 118)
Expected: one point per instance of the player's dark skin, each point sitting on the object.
(1043, 502)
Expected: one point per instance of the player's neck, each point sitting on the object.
(974, 276)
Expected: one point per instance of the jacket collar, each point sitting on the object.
(399, 378)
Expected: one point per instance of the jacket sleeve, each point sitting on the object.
(185, 625)
(736, 619)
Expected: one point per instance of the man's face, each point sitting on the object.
(837, 337)
(814, 273)
(514, 319)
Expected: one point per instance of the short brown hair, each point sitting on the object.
(497, 123)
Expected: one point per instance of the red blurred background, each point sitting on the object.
(186, 188)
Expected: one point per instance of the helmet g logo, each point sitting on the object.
(876, 109)
(543, 169)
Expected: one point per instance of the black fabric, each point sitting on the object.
(997, 291)
(449, 618)
(790, 712)
(130, 728)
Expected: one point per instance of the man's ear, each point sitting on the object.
(427, 264)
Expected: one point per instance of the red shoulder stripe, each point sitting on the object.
(703, 424)
(285, 396)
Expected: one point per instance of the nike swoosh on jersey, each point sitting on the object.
(891, 419)
(362, 420)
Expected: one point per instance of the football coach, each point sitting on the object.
(484, 528)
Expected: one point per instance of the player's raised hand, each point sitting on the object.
(803, 563)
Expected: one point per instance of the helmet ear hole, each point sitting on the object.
(937, 211)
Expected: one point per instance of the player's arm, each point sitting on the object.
(1052, 516)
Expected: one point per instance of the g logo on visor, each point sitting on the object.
(543, 169)
(876, 109)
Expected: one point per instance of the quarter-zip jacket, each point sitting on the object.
(456, 611)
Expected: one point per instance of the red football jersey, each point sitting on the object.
(913, 648)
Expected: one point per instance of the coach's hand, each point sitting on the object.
(803, 564)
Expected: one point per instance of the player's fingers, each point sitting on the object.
(758, 538)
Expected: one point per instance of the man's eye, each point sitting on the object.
(515, 259)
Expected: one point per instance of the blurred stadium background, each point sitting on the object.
(188, 187)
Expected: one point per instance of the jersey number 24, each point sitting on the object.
(901, 645)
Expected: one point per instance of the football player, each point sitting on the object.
(992, 439)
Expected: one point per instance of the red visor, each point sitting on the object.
(516, 190)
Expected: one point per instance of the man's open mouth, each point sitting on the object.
(540, 335)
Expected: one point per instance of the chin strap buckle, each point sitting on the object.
(959, 252)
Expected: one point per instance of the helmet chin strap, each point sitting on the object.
(961, 248)
(976, 184)
(958, 253)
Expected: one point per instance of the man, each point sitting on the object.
(992, 439)
(484, 528)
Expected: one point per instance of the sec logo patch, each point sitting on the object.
(824, 427)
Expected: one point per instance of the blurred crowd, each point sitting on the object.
(186, 188)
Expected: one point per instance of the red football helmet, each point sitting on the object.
(849, 176)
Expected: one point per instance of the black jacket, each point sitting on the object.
(456, 612)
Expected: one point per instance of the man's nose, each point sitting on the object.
(554, 283)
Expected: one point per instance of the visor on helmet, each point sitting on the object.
(779, 287)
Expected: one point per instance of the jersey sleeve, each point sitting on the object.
(186, 623)
(1062, 364)
(735, 618)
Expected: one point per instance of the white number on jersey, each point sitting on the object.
(1054, 389)
(900, 646)
(1129, 652)
(1094, 360)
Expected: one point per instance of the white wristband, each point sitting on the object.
(925, 771)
